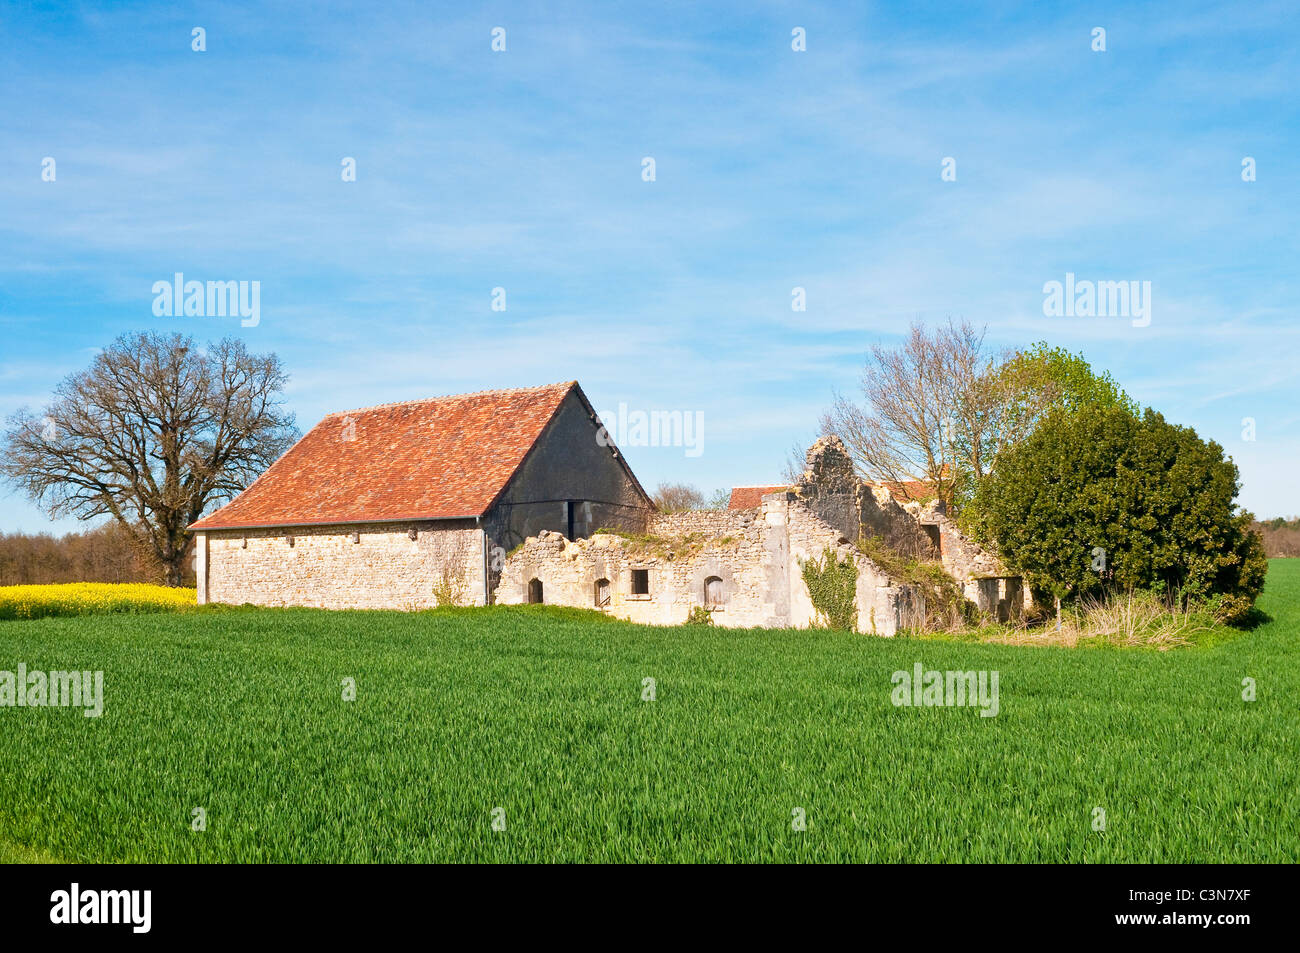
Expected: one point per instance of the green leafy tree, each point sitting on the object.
(939, 407)
(1098, 499)
(1006, 403)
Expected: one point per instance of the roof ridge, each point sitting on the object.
(494, 392)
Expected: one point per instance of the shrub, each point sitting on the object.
(1100, 500)
(700, 616)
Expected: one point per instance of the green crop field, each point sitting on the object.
(539, 713)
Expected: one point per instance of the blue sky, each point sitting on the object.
(522, 169)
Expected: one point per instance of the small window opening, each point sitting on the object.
(714, 598)
(640, 582)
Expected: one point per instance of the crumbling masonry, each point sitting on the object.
(746, 566)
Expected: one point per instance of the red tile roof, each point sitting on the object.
(747, 497)
(423, 459)
(904, 491)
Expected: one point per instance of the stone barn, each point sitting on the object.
(405, 505)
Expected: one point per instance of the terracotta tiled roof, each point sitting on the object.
(905, 491)
(747, 497)
(423, 459)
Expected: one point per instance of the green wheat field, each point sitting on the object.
(534, 717)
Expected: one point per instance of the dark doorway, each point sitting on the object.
(932, 531)
(535, 591)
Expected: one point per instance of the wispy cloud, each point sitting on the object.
(775, 169)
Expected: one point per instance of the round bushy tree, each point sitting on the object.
(1099, 498)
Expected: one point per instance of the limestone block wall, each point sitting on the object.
(882, 603)
(368, 566)
(830, 487)
(756, 556)
(678, 568)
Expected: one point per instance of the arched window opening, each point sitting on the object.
(714, 597)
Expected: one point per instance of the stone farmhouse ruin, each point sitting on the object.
(519, 496)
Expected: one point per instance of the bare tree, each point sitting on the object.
(917, 419)
(796, 462)
(677, 497)
(151, 434)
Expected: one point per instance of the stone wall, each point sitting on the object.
(755, 557)
(371, 566)
(984, 579)
(831, 488)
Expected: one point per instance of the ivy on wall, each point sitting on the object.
(833, 585)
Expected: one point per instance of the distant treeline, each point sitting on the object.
(103, 554)
(1281, 536)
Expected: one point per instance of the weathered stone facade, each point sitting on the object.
(983, 578)
(831, 487)
(375, 566)
(745, 566)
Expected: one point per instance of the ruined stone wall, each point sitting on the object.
(704, 522)
(678, 566)
(882, 516)
(325, 568)
(881, 602)
(831, 488)
(756, 554)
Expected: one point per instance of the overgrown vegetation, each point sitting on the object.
(832, 586)
(684, 546)
(946, 607)
(700, 616)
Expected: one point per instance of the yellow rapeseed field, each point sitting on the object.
(90, 598)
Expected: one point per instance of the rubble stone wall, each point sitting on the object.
(754, 556)
(371, 566)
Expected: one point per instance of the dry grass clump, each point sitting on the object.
(1127, 620)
